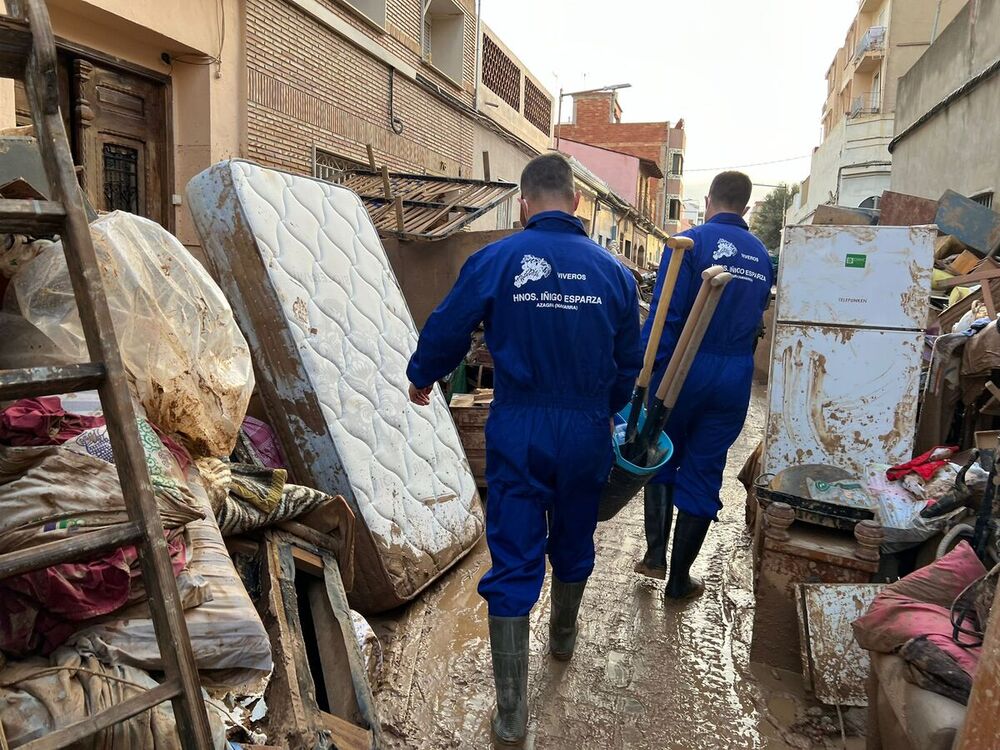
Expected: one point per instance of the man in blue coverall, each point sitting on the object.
(713, 403)
(561, 317)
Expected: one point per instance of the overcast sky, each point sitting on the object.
(747, 76)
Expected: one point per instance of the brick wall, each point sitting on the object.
(306, 86)
(593, 124)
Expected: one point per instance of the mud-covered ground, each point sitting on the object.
(646, 674)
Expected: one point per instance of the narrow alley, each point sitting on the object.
(646, 674)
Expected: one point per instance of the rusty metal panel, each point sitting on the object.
(972, 223)
(872, 277)
(844, 397)
(902, 210)
(835, 665)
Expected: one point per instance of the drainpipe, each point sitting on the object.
(479, 53)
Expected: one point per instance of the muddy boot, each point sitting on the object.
(689, 535)
(566, 598)
(509, 644)
(659, 511)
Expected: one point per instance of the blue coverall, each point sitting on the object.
(713, 403)
(561, 317)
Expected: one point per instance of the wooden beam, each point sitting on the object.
(371, 158)
(345, 735)
(982, 718)
(399, 214)
(386, 184)
(486, 166)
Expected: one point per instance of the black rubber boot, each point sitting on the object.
(659, 511)
(689, 535)
(566, 598)
(509, 645)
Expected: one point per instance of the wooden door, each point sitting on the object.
(120, 137)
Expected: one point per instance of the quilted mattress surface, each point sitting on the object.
(331, 334)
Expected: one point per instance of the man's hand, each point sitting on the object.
(420, 396)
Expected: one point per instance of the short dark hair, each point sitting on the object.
(731, 190)
(550, 175)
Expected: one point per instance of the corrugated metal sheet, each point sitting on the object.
(433, 207)
(833, 663)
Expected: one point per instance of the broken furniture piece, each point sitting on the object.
(331, 334)
(787, 554)
(414, 207)
(319, 695)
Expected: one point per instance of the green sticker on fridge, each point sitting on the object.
(855, 260)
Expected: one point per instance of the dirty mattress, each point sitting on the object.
(331, 335)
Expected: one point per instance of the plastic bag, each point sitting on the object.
(188, 360)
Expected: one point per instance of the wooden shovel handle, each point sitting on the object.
(677, 245)
(717, 286)
(699, 303)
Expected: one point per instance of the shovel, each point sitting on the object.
(714, 281)
(677, 245)
(652, 448)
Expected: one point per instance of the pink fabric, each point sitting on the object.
(920, 604)
(41, 609)
(265, 441)
(42, 421)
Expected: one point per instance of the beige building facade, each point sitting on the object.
(153, 96)
(852, 165)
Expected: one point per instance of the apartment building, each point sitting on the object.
(152, 97)
(852, 165)
(952, 96)
(597, 121)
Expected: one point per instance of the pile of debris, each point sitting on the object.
(298, 486)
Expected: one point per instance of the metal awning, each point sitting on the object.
(422, 206)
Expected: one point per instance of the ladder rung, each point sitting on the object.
(90, 726)
(46, 381)
(25, 216)
(83, 545)
(15, 44)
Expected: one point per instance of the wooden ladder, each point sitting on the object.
(28, 53)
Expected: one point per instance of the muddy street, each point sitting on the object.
(646, 674)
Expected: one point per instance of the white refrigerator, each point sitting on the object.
(852, 304)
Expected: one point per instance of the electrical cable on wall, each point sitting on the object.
(394, 122)
(205, 59)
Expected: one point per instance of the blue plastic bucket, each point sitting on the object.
(626, 479)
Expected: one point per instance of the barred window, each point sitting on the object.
(329, 166)
(537, 107)
(501, 74)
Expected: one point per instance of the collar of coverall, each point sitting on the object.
(727, 218)
(556, 221)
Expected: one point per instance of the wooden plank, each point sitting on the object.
(486, 166)
(371, 157)
(83, 545)
(400, 223)
(32, 382)
(972, 223)
(982, 718)
(307, 561)
(345, 736)
(15, 45)
(976, 277)
(386, 184)
(88, 727)
(31, 217)
(337, 600)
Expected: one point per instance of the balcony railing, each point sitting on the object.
(866, 104)
(874, 39)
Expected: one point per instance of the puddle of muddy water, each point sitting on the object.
(646, 675)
